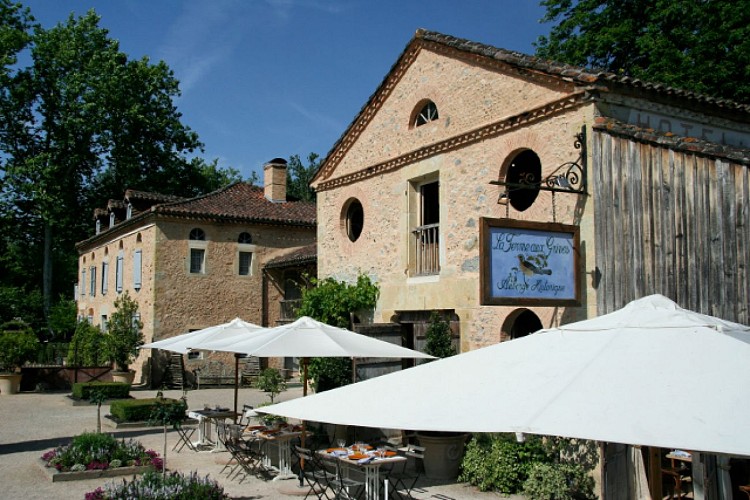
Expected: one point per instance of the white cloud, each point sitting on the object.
(202, 36)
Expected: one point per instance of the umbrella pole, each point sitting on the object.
(304, 394)
(236, 382)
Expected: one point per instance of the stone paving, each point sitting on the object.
(33, 423)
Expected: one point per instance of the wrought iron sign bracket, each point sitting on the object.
(570, 177)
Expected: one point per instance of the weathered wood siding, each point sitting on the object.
(670, 222)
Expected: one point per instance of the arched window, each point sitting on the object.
(426, 112)
(245, 237)
(197, 234)
(524, 174)
(354, 219)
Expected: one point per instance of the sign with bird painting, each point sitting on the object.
(529, 263)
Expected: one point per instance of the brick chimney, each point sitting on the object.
(274, 180)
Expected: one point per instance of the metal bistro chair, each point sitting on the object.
(343, 484)
(184, 436)
(312, 472)
(244, 460)
(404, 480)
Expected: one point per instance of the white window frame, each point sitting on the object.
(137, 270)
(119, 270)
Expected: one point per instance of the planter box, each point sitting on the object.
(56, 476)
(443, 454)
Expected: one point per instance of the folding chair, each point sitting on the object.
(312, 472)
(343, 484)
(184, 436)
(244, 460)
(405, 480)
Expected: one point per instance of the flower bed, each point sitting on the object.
(154, 486)
(99, 455)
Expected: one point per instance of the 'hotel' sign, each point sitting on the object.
(529, 263)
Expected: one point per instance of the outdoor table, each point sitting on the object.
(206, 418)
(281, 438)
(369, 462)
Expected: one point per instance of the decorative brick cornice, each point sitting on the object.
(473, 136)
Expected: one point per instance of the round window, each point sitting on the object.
(524, 175)
(355, 219)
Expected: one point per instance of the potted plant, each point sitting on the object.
(444, 451)
(18, 344)
(123, 337)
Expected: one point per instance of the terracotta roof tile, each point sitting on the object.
(241, 201)
(304, 255)
(577, 74)
(673, 141)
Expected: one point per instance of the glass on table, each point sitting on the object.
(341, 443)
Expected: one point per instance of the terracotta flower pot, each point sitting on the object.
(127, 377)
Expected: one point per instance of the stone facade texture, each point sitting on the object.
(492, 105)
(171, 299)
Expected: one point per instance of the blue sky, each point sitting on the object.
(270, 78)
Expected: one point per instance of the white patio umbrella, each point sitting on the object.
(236, 329)
(308, 338)
(621, 377)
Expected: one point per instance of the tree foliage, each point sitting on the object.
(298, 177)
(439, 337)
(80, 122)
(699, 46)
(331, 302)
(124, 335)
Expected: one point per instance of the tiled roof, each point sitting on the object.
(573, 73)
(241, 202)
(133, 195)
(576, 75)
(673, 141)
(304, 255)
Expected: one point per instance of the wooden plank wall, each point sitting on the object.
(670, 222)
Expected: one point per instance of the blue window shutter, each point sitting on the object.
(92, 277)
(83, 283)
(137, 270)
(118, 273)
(105, 279)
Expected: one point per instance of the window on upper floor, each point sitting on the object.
(105, 277)
(83, 282)
(137, 263)
(425, 112)
(104, 323)
(197, 261)
(354, 219)
(245, 263)
(111, 220)
(523, 176)
(129, 211)
(425, 247)
(244, 238)
(118, 271)
(197, 234)
(197, 248)
(92, 277)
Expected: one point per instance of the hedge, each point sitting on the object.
(112, 390)
(136, 410)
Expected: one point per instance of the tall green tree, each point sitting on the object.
(298, 177)
(702, 46)
(80, 124)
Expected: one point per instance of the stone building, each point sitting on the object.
(194, 263)
(511, 193)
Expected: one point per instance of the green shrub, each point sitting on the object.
(153, 486)
(111, 390)
(558, 481)
(137, 410)
(439, 337)
(87, 346)
(18, 344)
(271, 382)
(124, 335)
(496, 462)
